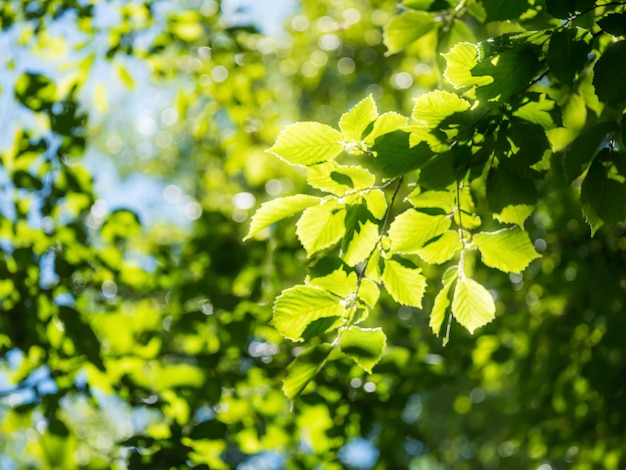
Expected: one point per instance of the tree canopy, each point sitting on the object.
(369, 235)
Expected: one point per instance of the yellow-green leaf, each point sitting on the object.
(321, 226)
(364, 345)
(307, 143)
(278, 209)
(404, 281)
(509, 250)
(354, 123)
(411, 230)
(442, 301)
(472, 304)
(442, 249)
(296, 308)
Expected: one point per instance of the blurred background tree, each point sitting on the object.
(135, 323)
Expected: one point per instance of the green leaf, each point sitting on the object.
(540, 111)
(333, 276)
(393, 156)
(511, 70)
(499, 10)
(565, 9)
(603, 198)
(307, 143)
(364, 345)
(368, 292)
(444, 200)
(339, 179)
(278, 209)
(584, 148)
(509, 250)
(441, 249)
(304, 367)
(386, 123)
(434, 107)
(460, 61)
(361, 235)
(354, 123)
(614, 24)
(376, 203)
(442, 301)
(568, 53)
(406, 28)
(608, 75)
(297, 307)
(472, 304)
(511, 197)
(404, 281)
(321, 226)
(80, 332)
(412, 229)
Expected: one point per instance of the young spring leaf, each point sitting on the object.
(278, 209)
(307, 143)
(412, 229)
(321, 226)
(297, 307)
(472, 304)
(442, 301)
(354, 123)
(509, 250)
(406, 28)
(361, 235)
(460, 61)
(443, 200)
(364, 345)
(441, 249)
(304, 367)
(404, 281)
(386, 123)
(339, 179)
(432, 108)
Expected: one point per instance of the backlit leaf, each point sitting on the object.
(472, 304)
(442, 301)
(304, 367)
(509, 250)
(339, 179)
(406, 28)
(460, 61)
(307, 143)
(278, 209)
(364, 345)
(297, 307)
(432, 108)
(321, 226)
(354, 123)
(361, 235)
(386, 123)
(404, 281)
(376, 203)
(441, 249)
(412, 229)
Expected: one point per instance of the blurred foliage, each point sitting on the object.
(136, 344)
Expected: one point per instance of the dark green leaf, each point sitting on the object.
(584, 148)
(81, 334)
(304, 367)
(511, 196)
(394, 156)
(614, 24)
(498, 10)
(608, 74)
(603, 198)
(568, 53)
